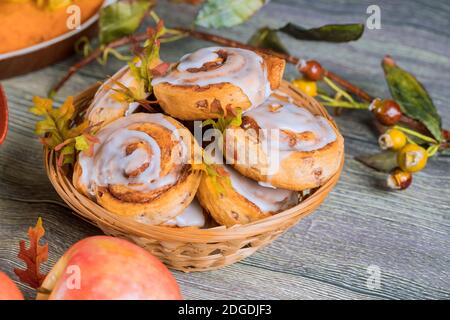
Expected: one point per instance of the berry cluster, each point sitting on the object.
(312, 72)
(411, 157)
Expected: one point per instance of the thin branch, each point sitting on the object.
(348, 86)
(94, 55)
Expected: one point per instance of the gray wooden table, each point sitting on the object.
(404, 234)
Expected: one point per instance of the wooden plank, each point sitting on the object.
(327, 255)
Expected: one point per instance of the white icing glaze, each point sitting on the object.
(192, 216)
(280, 115)
(104, 102)
(284, 95)
(242, 68)
(266, 199)
(110, 164)
(266, 185)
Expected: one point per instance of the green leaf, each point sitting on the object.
(329, 33)
(384, 161)
(223, 123)
(63, 115)
(81, 143)
(68, 149)
(267, 38)
(67, 153)
(44, 126)
(227, 13)
(121, 19)
(412, 96)
(149, 59)
(236, 121)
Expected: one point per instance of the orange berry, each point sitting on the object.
(399, 179)
(412, 158)
(312, 70)
(307, 86)
(392, 139)
(387, 112)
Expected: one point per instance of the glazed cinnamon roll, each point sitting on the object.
(213, 81)
(104, 107)
(191, 217)
(140, 168)
(284, 145)
(242, 200)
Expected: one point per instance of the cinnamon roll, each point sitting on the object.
(213, 81)
(242, 200)
(284, 145)
(104, 107)
(192, 217)
(140, 168)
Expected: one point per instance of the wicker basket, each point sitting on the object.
(191, 249)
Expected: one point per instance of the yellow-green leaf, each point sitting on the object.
(384, 161)
(267, 38)
(236, 121)
(121, 19)
(67, 153)
(223, 123)
(227, 13)
(41, 106)
(44, 126)
(63, 115)
(68, 149)
(81, 143)
(78, 130)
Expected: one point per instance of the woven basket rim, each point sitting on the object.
(64, 187)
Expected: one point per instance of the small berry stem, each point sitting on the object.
(417, 134)
(432, 150)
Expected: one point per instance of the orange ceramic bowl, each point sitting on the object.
(37, 56)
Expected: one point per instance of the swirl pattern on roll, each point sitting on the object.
(104, 108)
(299, 129)
(243, 68)
(285, 145)
(140, 168)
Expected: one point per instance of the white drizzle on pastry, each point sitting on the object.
(266, 199)
(280, 115)
(242, 68)
(104, 105)
(111, 165)
(192, 216)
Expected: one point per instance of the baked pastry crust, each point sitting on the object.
(299, 170)
(229, 207)
(198, 102)
(104, 108)
(123, 193)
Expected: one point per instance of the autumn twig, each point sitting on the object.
(94, 55)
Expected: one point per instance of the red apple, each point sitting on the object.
(8, 289)
(107, 268)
